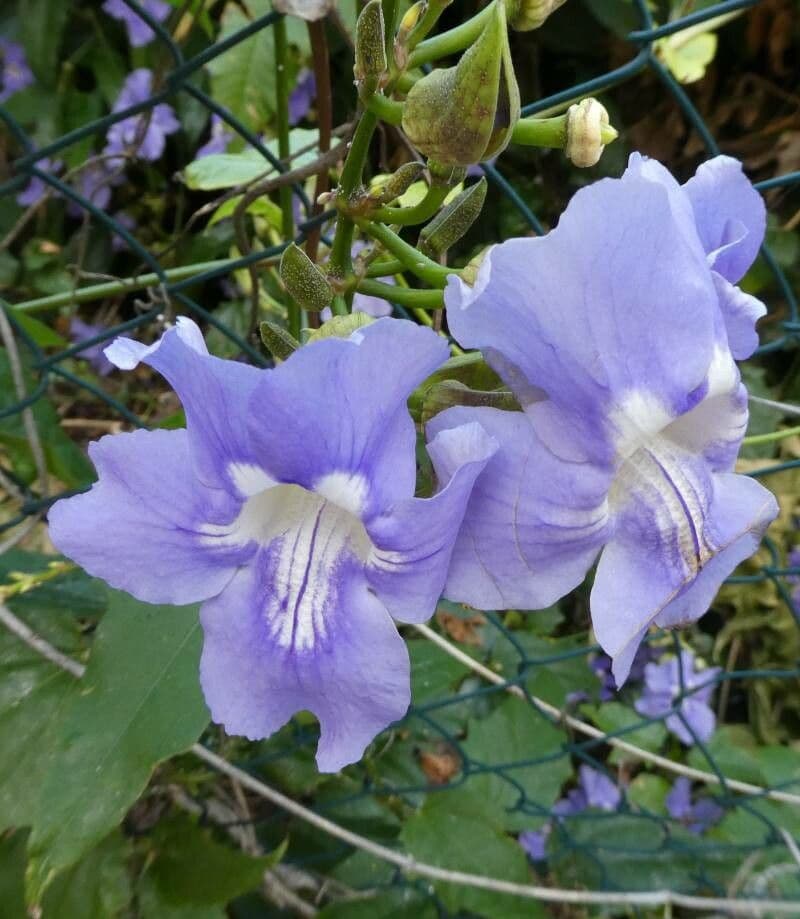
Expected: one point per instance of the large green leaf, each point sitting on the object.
(12, 875)
(140, 703)
(34, 694)
(98, 887)
(453, 832)
(404, 903)
(525, 756)
(42, 27)
(191, 868)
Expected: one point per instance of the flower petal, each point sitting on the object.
(615, 300)
(413, 540)
(534, 523)
(670, 554)
(740, 312)
(730, 214)
(214, 393)
(353, 675)
(337, 408)
(140, 527)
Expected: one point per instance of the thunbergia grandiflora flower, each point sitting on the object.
(287, 505)
(617, 332)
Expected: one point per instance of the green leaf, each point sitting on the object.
(12, 874)
(41, 29)
(526, 759)
(688, 58)
(34, 694)
(434, 674)
(733, 750)
(613, 716)
(140, 704)
(63, 457)
(42, 334)
(452, 832)
(404, 903)
(243, 79)
(227, 170)
(192, 869)
(96, 888)
(649, 792)
(153, 906)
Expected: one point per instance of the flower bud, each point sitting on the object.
(585, 123)
(341, 326)
(277, 340)
(524, 15)
(398, 183)
(304, 281)
(464, 114)
(370, 64)
(453, 221)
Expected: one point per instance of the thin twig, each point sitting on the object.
(39, 645)
(19, 534)
(784, 407)
(590, 731)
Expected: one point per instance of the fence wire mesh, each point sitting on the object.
(426, 757)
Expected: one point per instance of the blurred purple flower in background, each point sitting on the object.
(35, 190)
(302, 96)
(697, 817)
(219, 139)
(139, 32)
(144, 135)
(794, 562)
(15, 74)
(82, 331)
(534, 843)
(118, 244)
(595, 789)
(601, 664)
(662, 688)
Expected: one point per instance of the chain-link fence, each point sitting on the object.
(465, 662)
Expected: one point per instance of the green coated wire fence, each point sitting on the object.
(426, 758)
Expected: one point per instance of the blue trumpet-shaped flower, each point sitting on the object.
(287, 505)
(617, 333)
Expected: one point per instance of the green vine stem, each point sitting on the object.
(452, 41)
(424, 268)
(419, 213)
(405, 296)
(772, 437)
(293, 311)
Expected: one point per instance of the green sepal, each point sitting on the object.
(277, 340)
(453, 221)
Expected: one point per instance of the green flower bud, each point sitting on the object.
(587, 125)
(398, 183)
(304, 281)
(524, 15)
(465, 114)
(277, 340)
(448, 393)
(453, 221)
(370, 65)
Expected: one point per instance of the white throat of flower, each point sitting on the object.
(309, 535)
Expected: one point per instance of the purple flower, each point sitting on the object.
(665, 682)
(82, 331)
(36, 189)
(219, 140)
(601, 664)
(15, 74)
(534, 843)
(139, 33)
(118, 244)
(617, 332)
(142, 135)
(594, 790)
(302, 96)
(287, 505)
(95, 182)
(697, 817)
